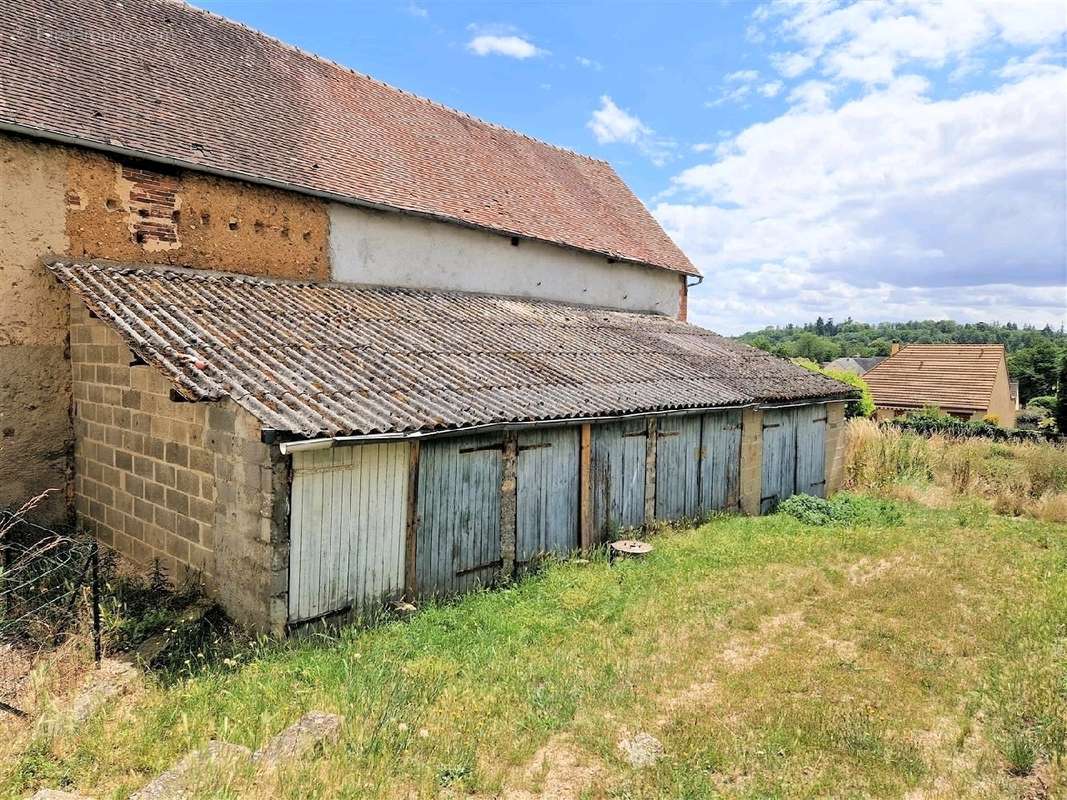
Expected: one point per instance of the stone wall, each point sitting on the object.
(189, 485)
(35, 435)
(146, 213)
(57, 200)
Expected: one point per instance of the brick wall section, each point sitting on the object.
(189, 484)
(836, 441)
(683, 300)
(751, 460)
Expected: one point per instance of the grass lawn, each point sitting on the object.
(770, 658)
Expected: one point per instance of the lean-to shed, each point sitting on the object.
(315, 448)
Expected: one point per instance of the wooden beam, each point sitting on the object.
(585, 490)
(650, 471)
(509, 506)
(412, 519)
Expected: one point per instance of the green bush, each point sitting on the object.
(1045, 401)
(860, 406)
(931, 421)
(842, 509)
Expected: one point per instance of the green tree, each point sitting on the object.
(1060, 412)
(1035, 367)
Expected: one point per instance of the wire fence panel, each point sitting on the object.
(48, 580)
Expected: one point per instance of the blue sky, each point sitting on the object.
(884, 160)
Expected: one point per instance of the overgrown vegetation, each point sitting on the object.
(863, 404)
(842, 509)
(1015, 478)
(932, 420)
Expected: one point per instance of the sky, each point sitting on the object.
(883, 160)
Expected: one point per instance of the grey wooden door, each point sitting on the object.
(794, 453)
(457, 543)
(678, 464)
(720, 476)
(618, 474)
(811, 450)
(547, 492)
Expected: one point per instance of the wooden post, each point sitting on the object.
(411, 531)
(509, 504)
(650, 471)
(585, 490)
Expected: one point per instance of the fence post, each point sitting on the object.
(96, 600)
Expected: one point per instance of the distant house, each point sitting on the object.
(968, 381)
(857, 365)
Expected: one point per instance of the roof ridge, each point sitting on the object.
(345, 68)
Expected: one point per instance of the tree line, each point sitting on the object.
(1035, 355)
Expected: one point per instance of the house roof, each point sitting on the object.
(953, 377)
(856, 364)
(332, 359)
(167, 81)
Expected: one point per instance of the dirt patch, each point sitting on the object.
(558, 771)
(864, 571)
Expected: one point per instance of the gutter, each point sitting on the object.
(192, 166)
(286, 447)
(326, 442)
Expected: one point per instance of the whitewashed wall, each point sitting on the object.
(396, 250)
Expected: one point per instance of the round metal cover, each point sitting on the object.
(631, 547)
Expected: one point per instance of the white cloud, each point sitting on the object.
(503, 45)
(742, 76)
(417, 11)
(869, 42)
(611, 124)
(893, 205)
(771, 88)
(589, 63)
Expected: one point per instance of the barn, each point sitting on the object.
(319, 448)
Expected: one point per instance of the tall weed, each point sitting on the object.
(1016, 479)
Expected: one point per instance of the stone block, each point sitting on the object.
(314, 729)
(183, 779)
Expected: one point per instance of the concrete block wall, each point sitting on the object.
(188, 484)
(836, 441)
(751, 460)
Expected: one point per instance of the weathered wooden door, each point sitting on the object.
(720, 476)
(794, 442)
(347, 521)
(547, 493)
(458, 529)
(618, 473)
(779, 457)
(678, 463)
(811, 450)
(698, 464)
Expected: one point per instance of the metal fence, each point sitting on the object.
(50, 584)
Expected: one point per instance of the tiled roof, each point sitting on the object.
(173, 82)
(953, 377)
(328, 359)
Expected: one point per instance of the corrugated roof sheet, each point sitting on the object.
(331, 359)
(953, 377)
(174, 82)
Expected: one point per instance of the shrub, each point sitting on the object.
(842, 509)
(861, 406)
(809, 510)
(1045, 401)
(1030, 418)
(929, 422)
